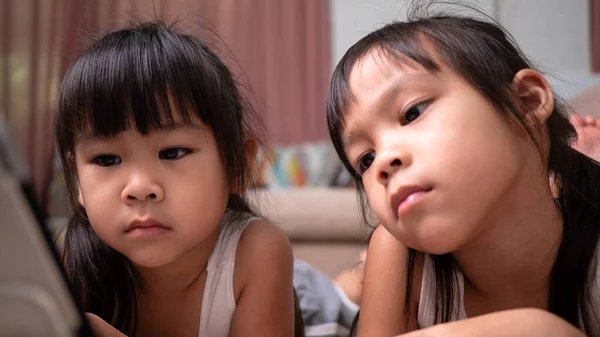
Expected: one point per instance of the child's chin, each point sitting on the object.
(149, 260)
(433, 239)
(437, 250)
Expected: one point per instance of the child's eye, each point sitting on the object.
(173, 153)
(106, 160)
(413, 113)
(364, 162)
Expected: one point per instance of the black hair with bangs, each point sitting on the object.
(143, 77)
(487, 57)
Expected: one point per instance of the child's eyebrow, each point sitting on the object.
(400, 84)
(385, 97)
(350, 138)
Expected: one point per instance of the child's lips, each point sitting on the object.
(407, 196)
(146, 227)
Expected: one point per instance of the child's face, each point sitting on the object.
(172, 181)
(438, 159)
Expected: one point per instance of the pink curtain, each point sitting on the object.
(30, 49)
(281, 50)
(284, 48)
(595, 34)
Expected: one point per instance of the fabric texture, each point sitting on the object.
(218, 302)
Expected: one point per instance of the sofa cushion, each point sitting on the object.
(314, 214)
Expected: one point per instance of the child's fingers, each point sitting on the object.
(362, 257)
(101, 328)
(589, 120)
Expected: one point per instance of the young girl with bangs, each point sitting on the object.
(453, 137)
(157, 145)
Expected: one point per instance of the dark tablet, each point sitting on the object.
(35, 298)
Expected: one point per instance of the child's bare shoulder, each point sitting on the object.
(262, 236)
(264, 264)
(263, 247)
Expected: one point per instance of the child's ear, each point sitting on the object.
(80, 196)
(535, 97)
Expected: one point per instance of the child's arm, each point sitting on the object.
(264, 266)
(382, 311)
(510, 323)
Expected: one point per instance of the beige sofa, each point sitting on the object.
(323, 224)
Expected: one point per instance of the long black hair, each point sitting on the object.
(488, 58)
(144, 76)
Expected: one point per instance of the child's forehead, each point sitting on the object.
(375, 72)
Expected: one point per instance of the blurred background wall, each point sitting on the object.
(283, 50)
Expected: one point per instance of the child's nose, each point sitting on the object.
(389, 163)
(142, 189)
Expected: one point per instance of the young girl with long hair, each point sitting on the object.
(453, 137)
(157, 145)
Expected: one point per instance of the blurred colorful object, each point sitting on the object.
(308, 164)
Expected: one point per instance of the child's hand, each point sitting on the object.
(518, 322)
(101, 328)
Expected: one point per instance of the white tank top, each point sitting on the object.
(218, 301)
(427, 301)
